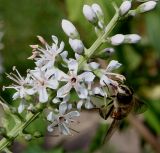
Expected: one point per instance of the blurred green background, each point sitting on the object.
(22, 20)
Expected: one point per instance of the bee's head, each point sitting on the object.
(124, 94)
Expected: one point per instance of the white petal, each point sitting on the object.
(125, 7)
(30, 91)
(79, 104)
(16, 95)
(64, 129)
(50, 128)
(64, 90)
(50, 73)
(62, 108)
(97, 9)
(37, 73)
(22, 92)
(69, 106)
(147, 6)
(21, 107)
(113, 65)
(43, 96)
(72, 114)
(81, 91)
(55, 39)
(73, 66)
(61, 76)
(64, 56)
(89, 14)
(88, 105)
(87, 76)
(66, 98)
(50, 116)
(132, 38)
(76, 45)
(117, 39)
(94, 65)
(69, 29)
(53, 84)
(77, 56)
(104, 80)
(98, 91)
(56, 100)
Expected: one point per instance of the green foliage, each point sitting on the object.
(38, 149)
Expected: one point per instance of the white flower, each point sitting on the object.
(42, 81)
(147, 6)
(69, 29)
(125, 7)
(117, 39)
(45, 57)
(89, 14)
(110, 78)
(22, 86)
(132, 38)
(62, 119)
(74, 81)
(77, 45)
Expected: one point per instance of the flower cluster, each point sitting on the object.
(58, 79)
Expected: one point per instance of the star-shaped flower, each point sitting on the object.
(42, 81)
(74, 81)
(62, 119)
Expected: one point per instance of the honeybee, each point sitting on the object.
(121, 104)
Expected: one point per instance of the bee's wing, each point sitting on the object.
(139, 106)
(100, 101)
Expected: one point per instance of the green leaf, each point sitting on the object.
(132, 58)
(153, 120)
(153, 28)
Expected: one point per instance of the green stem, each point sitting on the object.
(91, 51)
(18, 129)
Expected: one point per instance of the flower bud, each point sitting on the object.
(117, 39)
(97, 9)
(89, 14)
(147, 6)
(125, 7)
(132, 38)
(69, 29)
(28, 137)
(76, 45)
(37, 134)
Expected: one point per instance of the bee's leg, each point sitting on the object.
(104, 113)
(111, 130)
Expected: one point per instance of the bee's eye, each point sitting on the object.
(124, 98)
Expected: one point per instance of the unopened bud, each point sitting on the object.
(117, 39)
(97, 9)
(69, 29)
(77, 45)
(147, 6)
(132, 38)
(37, 134)
(28, 137)
(89, 14)
(125, 7)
